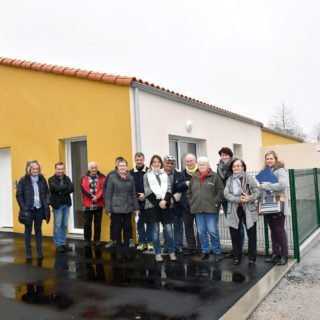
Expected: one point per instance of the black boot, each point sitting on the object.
(282, 261)
(273, 259)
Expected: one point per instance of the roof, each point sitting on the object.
(125, 81)
(283, 134)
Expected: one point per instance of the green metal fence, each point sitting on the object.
(304, 205)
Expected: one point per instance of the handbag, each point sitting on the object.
(271, 204)
(24, 216)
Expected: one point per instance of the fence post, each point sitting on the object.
(316, 189)
(295, 231)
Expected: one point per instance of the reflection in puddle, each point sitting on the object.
(35, 294)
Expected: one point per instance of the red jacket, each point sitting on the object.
(87, 195)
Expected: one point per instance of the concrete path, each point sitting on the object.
(297, 297)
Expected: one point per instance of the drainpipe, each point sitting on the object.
(137, 119)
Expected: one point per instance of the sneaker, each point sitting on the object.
(218, 257)
(150, 246)
(251, 263)
(60, 249)
(110, 244)
(158, 258)
(172, 256)
(282, 261)
(204, 257)
(131, 243)
(67, 248)
(179, 250)
(142, 247)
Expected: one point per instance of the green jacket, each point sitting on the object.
(206, 197)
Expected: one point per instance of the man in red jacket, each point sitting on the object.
(93, 202)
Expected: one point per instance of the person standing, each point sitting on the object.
(60, 187)
(191, 168)
(158, 197)
(224, 171)
(121, 201)
(144, 229)
(241, 192)
(93, 202)
(177, 187)
(33, 198)
(277, 222)
(205, 195)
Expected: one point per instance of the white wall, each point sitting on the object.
(297, 156)
(161, 117)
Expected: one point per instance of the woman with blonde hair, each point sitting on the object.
(33, 199)
(277, 222)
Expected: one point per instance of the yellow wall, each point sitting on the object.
(270, 139)
(39, 110)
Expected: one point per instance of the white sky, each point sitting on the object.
(248, 57)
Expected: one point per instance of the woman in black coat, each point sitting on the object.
(33, 199)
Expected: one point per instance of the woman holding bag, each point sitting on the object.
(241, 192)
(277, 222)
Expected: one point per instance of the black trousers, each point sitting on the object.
(236, 239)
(90, 215)
(122, 222)
(189, 220)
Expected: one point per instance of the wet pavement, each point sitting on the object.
(94, 284)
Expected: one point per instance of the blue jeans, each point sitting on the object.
(167, 234)
(144, 229)
(36, 217)
(177, 219)
(208, 223)
(61, 217)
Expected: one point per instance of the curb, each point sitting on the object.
(244, 307)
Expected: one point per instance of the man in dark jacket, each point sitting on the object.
(190, 162)
(60, 187)
(177, 209)
(144, 229)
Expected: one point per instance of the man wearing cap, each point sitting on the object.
(178, 186)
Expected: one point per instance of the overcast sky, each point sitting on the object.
(248, 57)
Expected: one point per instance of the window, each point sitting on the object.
(180, 147)
(237, 150)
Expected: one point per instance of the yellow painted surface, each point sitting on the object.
(271, 139)
(39, 110)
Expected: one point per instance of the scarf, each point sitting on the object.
(36, 199)
(93, 180)
(158, 182)
(237, 183)
(203, 175)
(192, 171)
(124, 176)
(223, 168)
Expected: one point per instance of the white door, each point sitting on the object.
(76, 157)
(6, 212)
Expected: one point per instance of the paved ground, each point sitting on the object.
(91, 284)
(297, 297)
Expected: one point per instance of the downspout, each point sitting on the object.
(137, 119)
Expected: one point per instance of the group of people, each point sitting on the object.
(185, 203)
